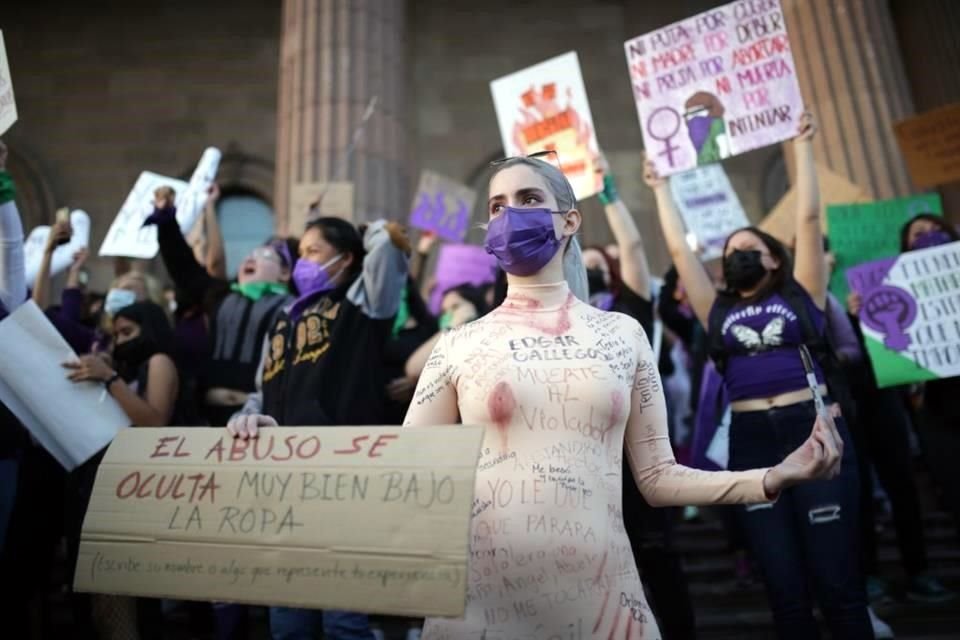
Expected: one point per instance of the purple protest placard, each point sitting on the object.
(442, 206)
(908, 314)
(885, 309)
(720, 83)
(459, 264)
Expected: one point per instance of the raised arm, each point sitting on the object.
(215, 258)
(59, 234)
(700, 290)
(809, 269)
(377, 293)
(418, 261)
(663, 482)
(13, 285)
(186, 272)
(435, 400)
(634, 269)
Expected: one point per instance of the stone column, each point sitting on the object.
(336, 55)
(927, 32)
(852, 77)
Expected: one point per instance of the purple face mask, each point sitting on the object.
(312, 278)
(522, 240)
(932, 238)
(699, 129)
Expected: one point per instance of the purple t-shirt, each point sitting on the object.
(763, 340)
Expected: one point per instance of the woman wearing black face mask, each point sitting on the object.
(757, 324)
(143, 380)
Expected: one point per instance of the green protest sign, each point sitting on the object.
(865, 231)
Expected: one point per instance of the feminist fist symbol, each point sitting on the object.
(890, 310)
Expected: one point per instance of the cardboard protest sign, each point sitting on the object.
(443, 206)
(369, 519)
(459, 264)
(8, 106)
(868, 231)
(930, 144)
(71, 420)
(720, 83)
(337, 202)
(909, 315)
(781, 222)
(545, 107)
(709, 205)
(127, 237)
(36, 242)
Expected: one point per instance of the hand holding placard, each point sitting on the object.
(358, 518)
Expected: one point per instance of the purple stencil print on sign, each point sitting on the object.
(432, 214)
(890, 310)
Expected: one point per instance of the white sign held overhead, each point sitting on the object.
(128, 237)
(709, 205)
(8, 106)
(35, 243)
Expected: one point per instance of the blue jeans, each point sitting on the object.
(809, 537)
(303, 624)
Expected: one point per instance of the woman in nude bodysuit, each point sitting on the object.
(559, 385)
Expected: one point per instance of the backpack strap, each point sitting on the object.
(715, 346)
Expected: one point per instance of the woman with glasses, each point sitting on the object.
(561, 386)
(238, 313)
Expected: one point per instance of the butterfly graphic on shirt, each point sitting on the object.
(770, 336)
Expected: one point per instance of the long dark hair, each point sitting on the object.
(345, 238)
(613, 268)
(779, 278)
(473, 295)
(155, 332)
(942, 224)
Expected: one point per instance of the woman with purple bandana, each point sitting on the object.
(561, 388)
(757, 324)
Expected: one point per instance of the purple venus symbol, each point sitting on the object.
(668, 124)
(890, 310)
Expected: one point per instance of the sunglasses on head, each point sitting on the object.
(538, 154)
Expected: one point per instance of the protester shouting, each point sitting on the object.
(558, 385)
(238, 313)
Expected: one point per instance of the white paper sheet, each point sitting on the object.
(128, 237)
(71, 420)
(35, 243)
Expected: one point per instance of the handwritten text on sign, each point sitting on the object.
(366, 519)
(709, 205)
(8, 106)
(720, 83)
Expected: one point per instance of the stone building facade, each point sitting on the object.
(108, 89)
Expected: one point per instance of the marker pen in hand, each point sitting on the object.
(812, 382)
